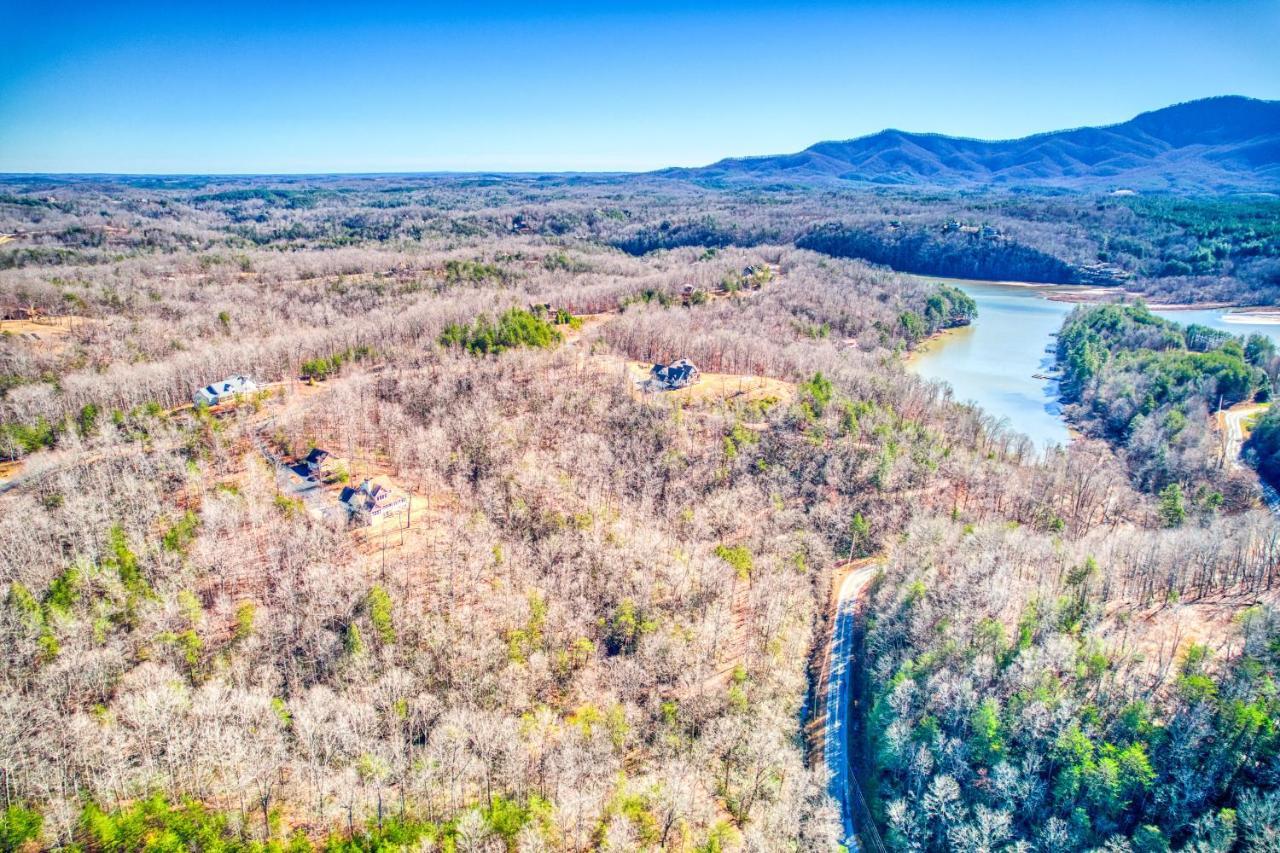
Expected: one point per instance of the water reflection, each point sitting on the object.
(1004, 362)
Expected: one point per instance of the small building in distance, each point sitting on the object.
(677, 374)
(374, 500)
(693, 295)
(756, 276)
(225, 391)
(323, 465)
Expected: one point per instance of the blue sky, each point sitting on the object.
(275, 87)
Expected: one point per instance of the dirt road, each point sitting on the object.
(1232, 424)
(1233, 429)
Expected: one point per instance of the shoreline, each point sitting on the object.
(1219, 314)
(927, 343)
(1093, 293)
(1261, 315)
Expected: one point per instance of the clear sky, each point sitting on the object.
(176, 86)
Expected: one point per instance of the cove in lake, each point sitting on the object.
(994, 362)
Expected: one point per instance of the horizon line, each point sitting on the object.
(509, 173)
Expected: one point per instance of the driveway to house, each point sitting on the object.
(839, 698)
(293, 481)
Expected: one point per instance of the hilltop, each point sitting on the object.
(1228, 143)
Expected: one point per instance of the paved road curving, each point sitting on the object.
(1233, 429)
(1233, 421)
(839, 712)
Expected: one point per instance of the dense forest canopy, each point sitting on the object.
(1263, 445)
(599, 621)
(1148, 385)
(1031, 717)
(1170, 248)
(941, 252)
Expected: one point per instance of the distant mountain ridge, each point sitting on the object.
(1229, 143)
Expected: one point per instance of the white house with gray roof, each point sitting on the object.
(224, 391)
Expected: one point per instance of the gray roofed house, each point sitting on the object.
(321, 464)
(225, 391)
(374, 499)
(677, 374)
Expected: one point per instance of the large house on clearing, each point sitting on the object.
(225, 391)
(373, 500)
(677, 374)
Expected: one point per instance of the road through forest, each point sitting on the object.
(1233, 425)
(838, 705)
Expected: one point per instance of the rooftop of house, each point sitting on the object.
(678, 364)
(230, 385)
(372, 493)
(676, 373)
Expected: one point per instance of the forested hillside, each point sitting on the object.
(1172, 250)
(1149, 385)
(1020, 691)
(943, 252)
(1169, 249)
(598, 620)
(1263, 446)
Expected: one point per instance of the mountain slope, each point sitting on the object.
(1227, 143)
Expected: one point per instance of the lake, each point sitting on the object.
(994, 362)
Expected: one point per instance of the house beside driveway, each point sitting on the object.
(374, 500)
(670, 377)
(225, 391)
(323, 465)
(754, 277)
